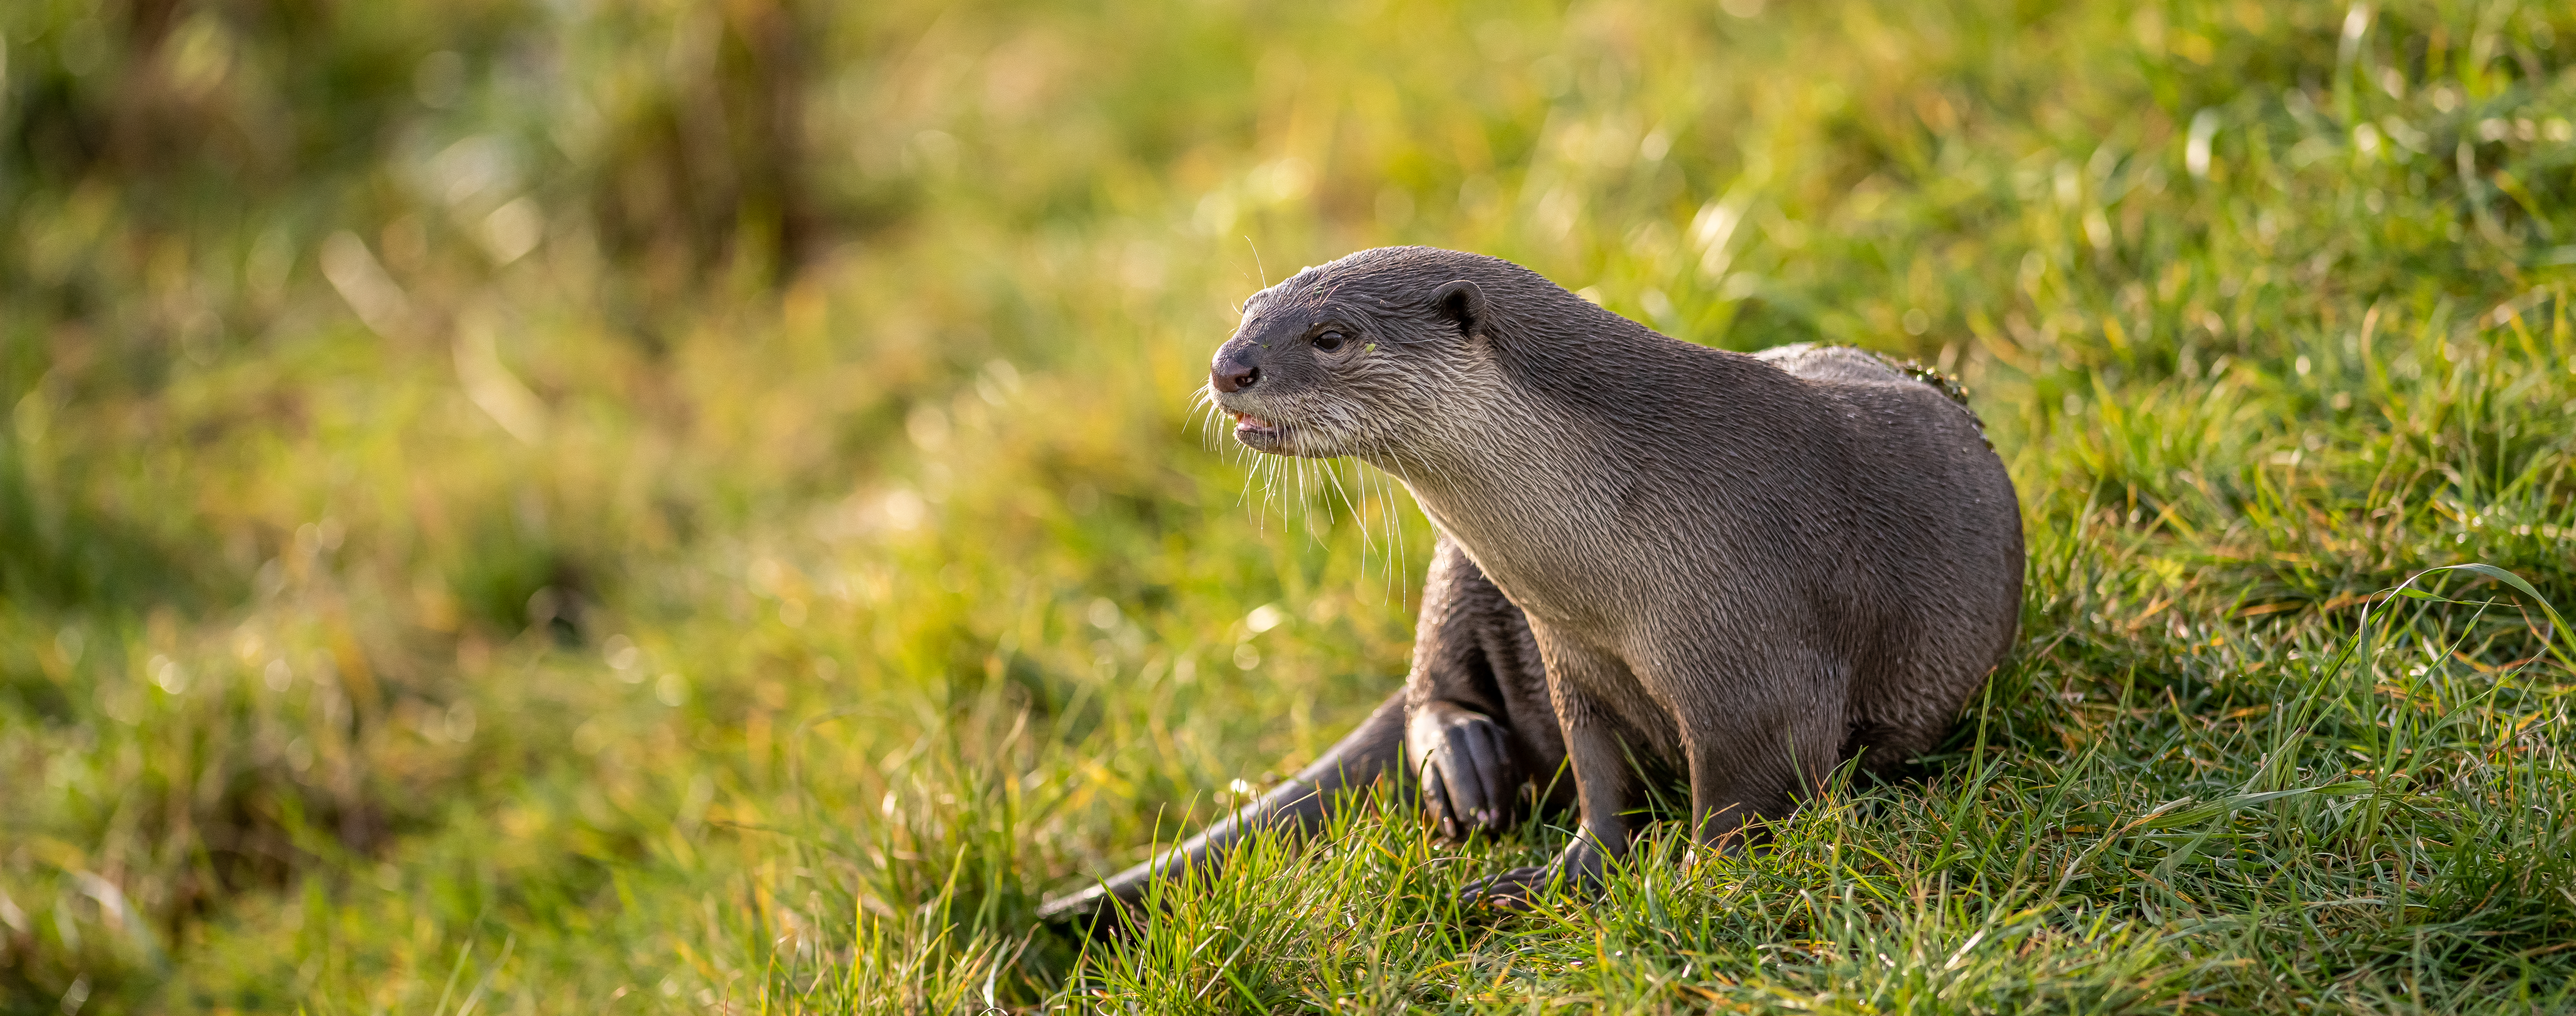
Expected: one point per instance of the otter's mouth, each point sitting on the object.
(1254, 431)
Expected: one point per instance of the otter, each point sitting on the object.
(1657, 561)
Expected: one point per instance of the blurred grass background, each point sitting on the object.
(561, 506)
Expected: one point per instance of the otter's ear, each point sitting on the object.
(1462, 303)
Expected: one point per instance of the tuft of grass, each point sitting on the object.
(537, 507)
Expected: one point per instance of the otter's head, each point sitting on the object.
(1365, 356)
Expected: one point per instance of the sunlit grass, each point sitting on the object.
(765, 580)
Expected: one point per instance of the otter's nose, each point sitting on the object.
(1231, 375)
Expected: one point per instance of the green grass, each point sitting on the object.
(523, 507)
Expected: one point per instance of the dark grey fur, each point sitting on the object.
(1738, 571)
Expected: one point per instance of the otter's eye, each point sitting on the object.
(1329, 341)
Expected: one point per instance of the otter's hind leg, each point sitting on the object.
(1769, 742)
(1758, 774)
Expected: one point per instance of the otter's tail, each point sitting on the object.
(1300, 805)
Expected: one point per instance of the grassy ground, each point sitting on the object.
(537, 507)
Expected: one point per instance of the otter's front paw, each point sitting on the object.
(1517, 890)
(1579, 869)
(1465, 760)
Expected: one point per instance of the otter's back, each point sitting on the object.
(1829, 363)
